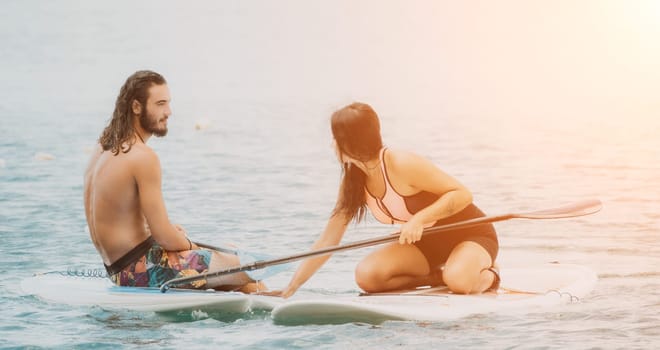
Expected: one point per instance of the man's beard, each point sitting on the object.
(150, 124)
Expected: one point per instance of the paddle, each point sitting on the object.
(248, 257)
(566, 211)
(216, 248)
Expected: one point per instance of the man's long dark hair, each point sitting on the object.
(356, 130)
(119, 135)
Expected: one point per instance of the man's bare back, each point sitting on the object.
(112, 205)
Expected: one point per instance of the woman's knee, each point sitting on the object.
(368, 276)
(458, 279)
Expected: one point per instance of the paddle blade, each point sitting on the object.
(263, 273)
(567, 211)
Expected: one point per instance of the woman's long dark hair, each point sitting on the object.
(356, 131)
(119, 135)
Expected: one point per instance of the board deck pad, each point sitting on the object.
(522, 289)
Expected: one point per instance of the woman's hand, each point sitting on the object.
(284, 293)
(411, 231)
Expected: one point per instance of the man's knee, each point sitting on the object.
(223, 260)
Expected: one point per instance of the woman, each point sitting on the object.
(402, 188)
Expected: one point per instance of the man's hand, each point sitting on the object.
(180, 229)
(183, 231)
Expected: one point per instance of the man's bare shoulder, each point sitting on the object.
(143, 159)
(142, 152)
(94, 157)
(96, 153)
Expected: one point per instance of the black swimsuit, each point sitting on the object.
(395, 208)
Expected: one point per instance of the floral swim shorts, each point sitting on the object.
(149, 265)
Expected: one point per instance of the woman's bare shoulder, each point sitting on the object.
(401, 159)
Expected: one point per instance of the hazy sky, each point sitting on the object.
(565, 58)
(559, 58)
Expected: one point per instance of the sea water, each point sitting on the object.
(524, 113)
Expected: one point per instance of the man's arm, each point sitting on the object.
(147, 174)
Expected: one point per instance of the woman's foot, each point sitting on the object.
(496, 278)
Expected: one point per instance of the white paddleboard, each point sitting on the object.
(96, 291)
(522, 289)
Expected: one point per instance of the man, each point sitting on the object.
(124, 204)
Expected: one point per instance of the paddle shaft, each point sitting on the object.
(220, 249)
(572, 210)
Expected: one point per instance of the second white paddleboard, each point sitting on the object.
(523, 288)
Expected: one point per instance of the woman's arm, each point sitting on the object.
(331, 236)
(417, 174)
